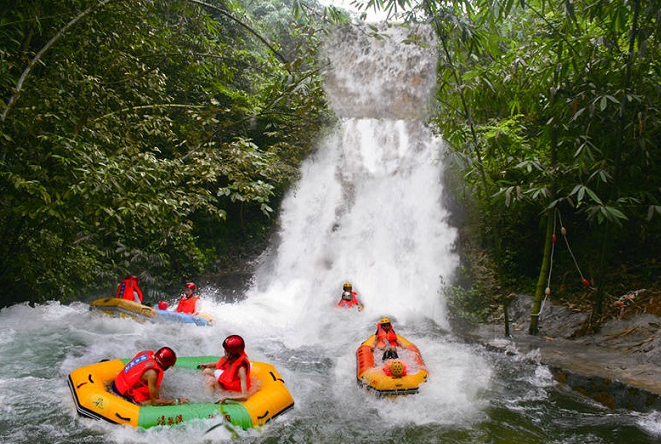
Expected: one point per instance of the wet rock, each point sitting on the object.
(618, 366)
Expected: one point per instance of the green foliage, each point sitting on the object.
(133, 131)
(467, 307)
(552, 106)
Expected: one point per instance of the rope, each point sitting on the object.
(548, 281)
(564, 235)
(563, 230)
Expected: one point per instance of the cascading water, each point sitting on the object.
(368, 210)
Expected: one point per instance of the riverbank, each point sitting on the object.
(617, 366)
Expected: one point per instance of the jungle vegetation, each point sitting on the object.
(159, 136)
(552, 112)
(145, 137)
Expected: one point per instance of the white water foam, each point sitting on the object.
(368, 209)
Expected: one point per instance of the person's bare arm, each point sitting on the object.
(243, 396)
(151, 377)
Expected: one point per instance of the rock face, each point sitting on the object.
(380, 71)
(618, 366)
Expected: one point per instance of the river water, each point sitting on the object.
(369, 210)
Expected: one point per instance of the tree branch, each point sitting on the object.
(19, 85)
(244, 25)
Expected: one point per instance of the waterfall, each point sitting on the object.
(368, 208)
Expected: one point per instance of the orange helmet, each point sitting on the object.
(347, 286)
(165, 357)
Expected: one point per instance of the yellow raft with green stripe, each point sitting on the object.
(89, 389)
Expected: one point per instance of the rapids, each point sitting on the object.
(369, 210)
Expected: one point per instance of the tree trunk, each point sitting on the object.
(543, 275)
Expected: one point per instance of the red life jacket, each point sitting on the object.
(351, 302)
(382, 336)
(126, 288)
(229, 379)
(129, 383)
(187, 305)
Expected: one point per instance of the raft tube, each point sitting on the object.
(371, 376)
(89, 389)
(129, 309)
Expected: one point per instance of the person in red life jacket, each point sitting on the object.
(231, 373)
(140, 379)
(189, 303)
(394, 368)
(128, 289)
(386, 339)
(349, 298)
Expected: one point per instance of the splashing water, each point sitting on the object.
(368, 210)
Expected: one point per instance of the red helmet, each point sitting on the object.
(162, 305)
(190, 285)
(165, 357)
(234, 344)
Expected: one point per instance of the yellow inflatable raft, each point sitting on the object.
(89, 389)
(377, 376)
(128, 309)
